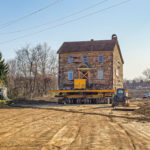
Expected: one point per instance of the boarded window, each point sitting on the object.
(100, 58)
(100, 74)
(70, 59)
(70, 75)
(84, 58)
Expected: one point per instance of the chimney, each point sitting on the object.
(114, 37)
(92, 40)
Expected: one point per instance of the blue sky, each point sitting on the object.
(130, 21)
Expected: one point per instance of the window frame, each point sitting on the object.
(100, 76)
(70, 59)
(85, 58)
(100, 58)
(69, 73)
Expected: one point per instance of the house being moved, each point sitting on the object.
(100, 62)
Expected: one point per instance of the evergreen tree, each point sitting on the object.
(3, 70)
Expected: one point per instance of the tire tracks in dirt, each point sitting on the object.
(74, 130)
(97, 114)
(134, 141)
(12, 117)
(21, 127)
(37, 142)
(128, 135)
(89, 135)
(65, 136)
(48, 134)
(79, 129)
(141, 140)
(11, 122)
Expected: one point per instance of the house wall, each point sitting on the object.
(117, 65)
(92, 57)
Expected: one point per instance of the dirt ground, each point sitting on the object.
(76, 127)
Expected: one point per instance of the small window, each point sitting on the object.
(70, 59)
(117, 72)
(100, 74)
(100, 58)
(70, 75)
(84, 58)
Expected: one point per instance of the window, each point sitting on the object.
(100, 74)
(120, 91)
(70, 59)
(117, 72)
(100, 58)
(84, 58)
(70, 75)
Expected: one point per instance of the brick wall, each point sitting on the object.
(92, 62)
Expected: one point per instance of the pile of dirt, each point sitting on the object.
(144, 110)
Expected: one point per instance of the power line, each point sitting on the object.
(74, 20)
(60, 19)
(28, 15)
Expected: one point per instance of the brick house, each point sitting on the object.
(100, 62)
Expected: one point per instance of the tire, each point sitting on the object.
(113, 105)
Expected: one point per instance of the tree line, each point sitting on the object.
(33, 72)
(140, 82)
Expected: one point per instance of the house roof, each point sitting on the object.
(83, 46)
(103, 45)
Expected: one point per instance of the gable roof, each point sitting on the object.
(83, 46)
(103, 45)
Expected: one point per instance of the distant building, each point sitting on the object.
(100, 62)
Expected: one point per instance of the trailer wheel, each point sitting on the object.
(114, 104)
(61, 101)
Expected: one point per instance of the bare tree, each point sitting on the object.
(36, 70)
(146, 73)
(12, 65)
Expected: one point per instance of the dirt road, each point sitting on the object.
(91, 127)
